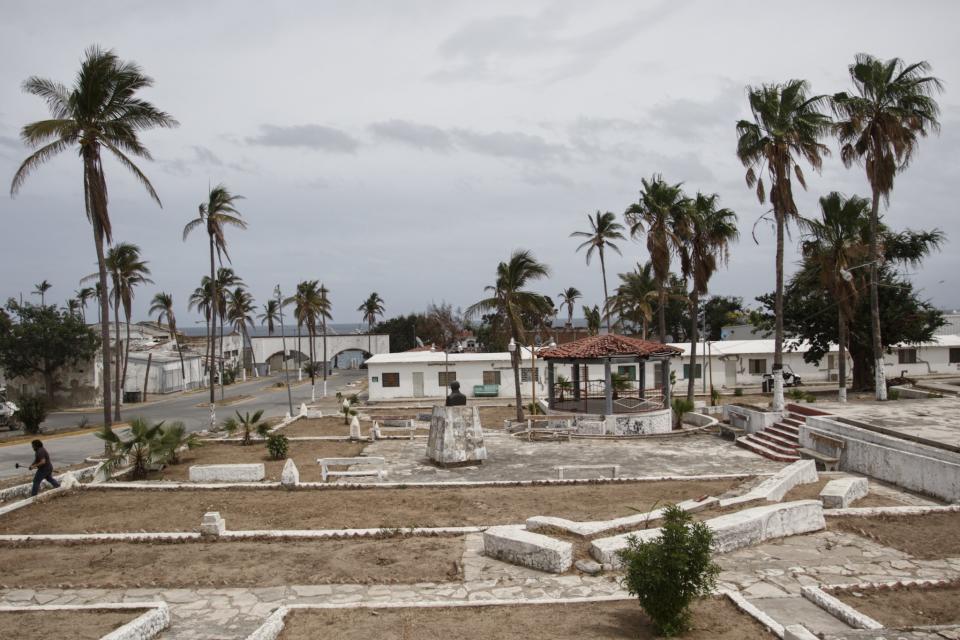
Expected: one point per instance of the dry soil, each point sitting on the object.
(78, 625)
(930, 537)
(908, 607)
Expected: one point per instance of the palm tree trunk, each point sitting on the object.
(515, 361)
(645, 323)
(694, 337)
(119, 351)
(103, 312)
(223, 360)
(662, 312)
(842, 357)
(880, 383)
(313, 365)
(212, 335)
(299, 353)
(606, 296)
(325, 361)
(183, 368)
(126, 353)
(778, 323)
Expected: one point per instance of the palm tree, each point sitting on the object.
(511, 301)
(297, 300)
(787, 125)
(83, 294)
(604, 229)
(660, 208)
(568, 297)
(270, 315)
(226, 278)
(41, 290)
(323, 309)
(707, 233)
(632, 297)
(239, 312)
(832, 245)
(217, 213)
(100, 111)
(73, 307)
(372, 308)
(162, 305)
(140, 449)
(593, 318)
(880, 126)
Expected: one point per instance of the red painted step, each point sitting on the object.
(748, 442)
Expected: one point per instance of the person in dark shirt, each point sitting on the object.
(41, 462)
(456, 399)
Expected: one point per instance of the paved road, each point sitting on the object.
(67, 449)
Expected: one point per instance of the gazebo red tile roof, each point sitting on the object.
(606, 346)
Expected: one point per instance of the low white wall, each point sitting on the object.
(751, 420)
(227, 472)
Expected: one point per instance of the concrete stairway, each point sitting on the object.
(779, 441)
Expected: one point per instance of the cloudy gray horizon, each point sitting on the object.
(408, 147)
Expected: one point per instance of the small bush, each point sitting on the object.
(714, 397)
(277, 446)
(809, 397)
(892, 394)
(796, 395)
(738, 391)
(31, 411)
(666, 574)
(680, 407)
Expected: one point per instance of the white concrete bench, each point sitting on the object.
(227, 472)
(373, 466)
(614, 469)
(840, 493)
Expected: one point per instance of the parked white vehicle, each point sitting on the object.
(8, 412)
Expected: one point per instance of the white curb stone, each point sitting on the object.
(516, 545)
(355, 428)
(840, 493)
(775, 487)
(303, 409)
(212, 524)
(798, 632)
(290, 476)
(227, 472)
(588, 529)
(839, 609)
(69, 481)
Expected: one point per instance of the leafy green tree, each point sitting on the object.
(239, 312)
(510, 300)
(31, 412)
(42, 340)
(403, 331)
(633, 298)
(668, 573)
(719, 311)
(787, 124)
(604, 230)
(101, 111)
(880, 125)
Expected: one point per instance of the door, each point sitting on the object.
(418, 384)
(730, 373)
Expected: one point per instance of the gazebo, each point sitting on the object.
(599, 396)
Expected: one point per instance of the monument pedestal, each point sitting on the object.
(456, 436)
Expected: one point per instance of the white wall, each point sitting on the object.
(468, 374)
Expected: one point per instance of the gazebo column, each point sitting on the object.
(665, 381)
(608, 387)
(550, 384)
(575, 380)
(642, 372)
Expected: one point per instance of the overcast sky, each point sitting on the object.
(408, 147)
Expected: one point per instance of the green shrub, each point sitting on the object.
(892, 394)
(809, 397)
(534, 409)
(247, 425)
(738, 391)
(31, 411)
(277, 446)
(680, 407)
(714, 397)
(668, 573)
(796, 394)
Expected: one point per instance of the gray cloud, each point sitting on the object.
(310, 136)
(12, 143)
(688, 119)
(509, 144)
(206, 156)
(421, 136)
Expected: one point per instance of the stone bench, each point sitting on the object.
(548, 434)
(614, 469)
(227, 472)
(372, 466)
(516, 545)
(840, 493)
(729, 429)
(830, 463)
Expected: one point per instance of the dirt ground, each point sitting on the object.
(304, 454)
(245, 509)
(714, 618)
(493, 417)
(907, 607)
(82, 625)
(812, 491)
(325, 426)
(233, 563)
(930, 537)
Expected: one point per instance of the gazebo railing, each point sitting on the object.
(627, 397)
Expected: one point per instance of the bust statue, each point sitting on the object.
(456, 399)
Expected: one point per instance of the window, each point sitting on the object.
(628, 371)
(907, 356)
(758, 366)
(657, 373)
(697, 371)
(444, 378)
(954, 355)
(391, 379)
(525, 374)
(831, 361)
(584, 372)
(491, 377)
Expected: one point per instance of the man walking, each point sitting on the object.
(41, 462)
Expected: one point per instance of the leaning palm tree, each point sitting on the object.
(270, 315)
(880, 125)
(226, 279)
(633, 297)
(707, 233)
(100, 111)
(788, 124)
(372, 308)
(660, 208)
(568, 297)
(41, 290)
(323, 309)
(511, 302)
(604, 229)
(162, 305)
(216, 214)
(239, 312)
(83, 294)
(593, 318)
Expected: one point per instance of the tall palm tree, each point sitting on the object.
(568, 298)
(309, 308)
(41, 290)
(83, 294)
(511, 301)
(226, 279)
(239, 312)
(162, 305)
(788, 124)
(632, 297)
(593, 318)
(880, 125)
(604, 229)
(324, 307)
(707, 233)
(661, 207)
(100, 111)
(270, 315)
(297, 300)
(73, 307)
(216, 214)
(372, 308)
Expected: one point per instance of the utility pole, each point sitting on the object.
(283, 337)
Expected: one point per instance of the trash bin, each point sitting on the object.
(132, 397)
(767, 385)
